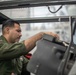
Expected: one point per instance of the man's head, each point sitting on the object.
(11, 31)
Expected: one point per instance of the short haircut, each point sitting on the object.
(9, 23)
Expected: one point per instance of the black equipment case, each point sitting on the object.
(47, 57)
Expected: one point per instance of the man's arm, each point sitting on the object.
(31, 42)
(10, 51)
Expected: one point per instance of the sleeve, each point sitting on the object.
(10, 51)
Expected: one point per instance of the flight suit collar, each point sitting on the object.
(3, 38)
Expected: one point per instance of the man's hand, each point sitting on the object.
(51, 33)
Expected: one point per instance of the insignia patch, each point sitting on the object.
(21, 58)
(13, 74)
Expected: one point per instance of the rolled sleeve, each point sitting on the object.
(10, 51)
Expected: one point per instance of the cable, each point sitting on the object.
(56, 10)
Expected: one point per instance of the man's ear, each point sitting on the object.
(7, 29)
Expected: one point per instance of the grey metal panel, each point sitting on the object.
(73, 69)
(45, 19)
(33, 3)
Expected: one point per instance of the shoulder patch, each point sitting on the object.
(21, 58)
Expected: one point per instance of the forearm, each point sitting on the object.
(31, 42)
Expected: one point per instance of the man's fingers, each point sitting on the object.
(53, 34)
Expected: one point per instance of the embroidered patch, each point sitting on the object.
(21, 58)
(13, 74)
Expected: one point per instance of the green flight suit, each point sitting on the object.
(11, 57)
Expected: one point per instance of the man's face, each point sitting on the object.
(15, 33)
